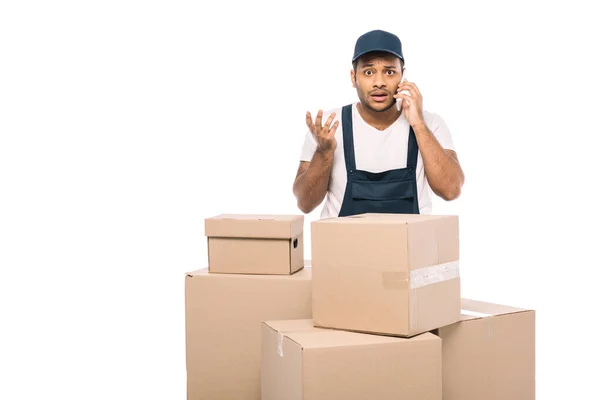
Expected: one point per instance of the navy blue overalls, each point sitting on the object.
(393, 191)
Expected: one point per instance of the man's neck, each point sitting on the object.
(379, 120)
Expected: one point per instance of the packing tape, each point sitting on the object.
(475, 313)
(420, 277)
(428, 276)
(434, 274)
(280, 344)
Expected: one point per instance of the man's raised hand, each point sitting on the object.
(323, 134)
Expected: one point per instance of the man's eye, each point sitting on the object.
(368, 73)
(390, 72)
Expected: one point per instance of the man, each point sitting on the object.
(389, 158)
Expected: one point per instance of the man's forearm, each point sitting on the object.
(311, 186)
(443, 172)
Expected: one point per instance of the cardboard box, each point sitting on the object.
(489, 354)
(255, 244)
(223, 316)
(388, 274)
(301, 362)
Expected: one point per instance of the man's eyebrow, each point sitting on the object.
(385, 66)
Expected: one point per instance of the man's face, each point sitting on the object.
(376, 79)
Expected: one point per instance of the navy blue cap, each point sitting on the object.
(378, 40)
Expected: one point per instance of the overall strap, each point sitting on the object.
(348, 137)
(413, 149)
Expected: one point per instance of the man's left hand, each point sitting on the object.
(412, 103)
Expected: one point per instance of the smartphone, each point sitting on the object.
(399, 101)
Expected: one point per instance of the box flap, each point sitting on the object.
(306, 335)
(397, 218)
(398, 241)
(433, 241)
(290, 325)
(359, 243)
(320, 338)
(474, 309)
(304, 274)
(269, 226)
(381, 218)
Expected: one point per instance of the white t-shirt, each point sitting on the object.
(375, 151)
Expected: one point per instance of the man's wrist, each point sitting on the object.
(326, 152)
(420, 126)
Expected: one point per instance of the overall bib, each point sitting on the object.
(393, 191)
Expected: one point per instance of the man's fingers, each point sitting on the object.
(407, 99)
(329, 121)
(410, 87)
(405, 86)
(333, 129)
(415, 88)
(418, 91)
(401, 93)
(309, 123)
(318, 120)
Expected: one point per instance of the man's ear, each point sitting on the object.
(353, 78)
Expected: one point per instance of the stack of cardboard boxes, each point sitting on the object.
(255, 273)
(378, 315)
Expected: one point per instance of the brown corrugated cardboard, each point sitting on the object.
(389, 274)
(224, 313)
(255, 244)
(301, 362)
(489, 354)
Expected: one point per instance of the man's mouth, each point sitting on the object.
(379, 96)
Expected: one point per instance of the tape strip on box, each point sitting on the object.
(434, 274)
(428, 276)
(475, 313)
(280, 344)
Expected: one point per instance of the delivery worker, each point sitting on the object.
(393, 152)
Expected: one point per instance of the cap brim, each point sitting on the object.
(372, 50)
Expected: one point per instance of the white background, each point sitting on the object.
(124, 124)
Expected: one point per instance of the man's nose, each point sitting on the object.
(379, 81)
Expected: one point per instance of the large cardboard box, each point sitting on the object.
(255, 244)
(389, 274)
(301, 362)
(223, 315)
(490, 353)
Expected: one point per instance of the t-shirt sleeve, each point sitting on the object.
(308, 148)
(441, 132)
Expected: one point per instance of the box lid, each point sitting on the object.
(307, 336)
(474, 309)
(329, 338)
(305, 274)
(291, 325)
(270, 226)
(381, 219)
(391, 241)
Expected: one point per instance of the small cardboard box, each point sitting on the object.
(489, 354)
(390, 274)
(255, 244)
(223, 320)
(301, 362)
